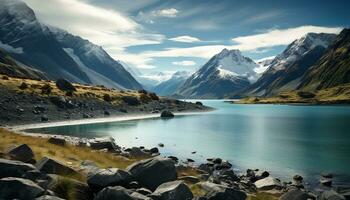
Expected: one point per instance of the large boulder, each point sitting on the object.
(108, 177)
(116, 192)
(220, 192)
(268, 183)
(175, 190)
(167, 114)
(11, 168)
(50, 166)
(19, 188)
(22, 153)
(103, 143)
(150, 173)
(65, 85)
(57, 141)
(48, 197)
(295, 195)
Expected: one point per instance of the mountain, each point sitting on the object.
(13, 68)
(287, 69)
(38, 46)
(224, 73)
(169, 87)
(264, 64)
(333, 69)
(95, 62)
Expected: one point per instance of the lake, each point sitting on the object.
(283, 139)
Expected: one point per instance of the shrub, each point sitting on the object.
(70, 189)
(46, 89)
(23, 86)
(131, 101)
(65, 85)
(306, 95)
(153, 96)
(5, 78)
(107, 97)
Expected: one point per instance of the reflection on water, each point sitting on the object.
(283, 139)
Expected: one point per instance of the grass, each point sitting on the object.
(68, 154)
(34, 87)
(334, 95)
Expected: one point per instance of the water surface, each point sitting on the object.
(283, 139)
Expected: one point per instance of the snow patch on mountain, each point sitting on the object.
(11, 49)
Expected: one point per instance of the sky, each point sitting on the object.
(181, 35)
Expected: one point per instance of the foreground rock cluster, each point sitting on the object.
(154, 178)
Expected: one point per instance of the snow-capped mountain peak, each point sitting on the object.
(18, 9)
(300, 47)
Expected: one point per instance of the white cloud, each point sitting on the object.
(275, 37)
(169, 12)
(110, 29)
(11, 49)
(185, 38)
(251, 43)
(185, 63)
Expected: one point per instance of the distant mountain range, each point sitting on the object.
(170, 86)
(224, 73)
(55, 52)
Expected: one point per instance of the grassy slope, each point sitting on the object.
(82, 90)
(334, 95)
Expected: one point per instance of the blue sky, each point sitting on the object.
(174, 35)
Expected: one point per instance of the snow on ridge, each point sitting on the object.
(10, 49)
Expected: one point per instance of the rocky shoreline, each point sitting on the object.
(154, 177)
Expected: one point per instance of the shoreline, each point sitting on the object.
(117, 118)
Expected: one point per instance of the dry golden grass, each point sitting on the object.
(34, 86)
(339, 94)
(68, 154)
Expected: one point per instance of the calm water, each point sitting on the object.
(285, 140)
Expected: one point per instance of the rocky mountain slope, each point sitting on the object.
(224, 73)
(11, 67)
(36, 45)
(287, 69)
(333, 69)
(169, 87)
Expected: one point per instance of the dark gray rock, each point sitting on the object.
(50, 166)
(189, 179)
(152, 172)
(11, 168)
(22, 153)
(103, 143)
(175, 190)
(167, 114)
(65, 85)
(108, 177)
(116, 192)
(144, 191)
(220, 192)
(44, 118)
(19, 188)
(296, 195)
(58, 101)
(57, 141)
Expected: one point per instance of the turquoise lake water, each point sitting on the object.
(283, 139)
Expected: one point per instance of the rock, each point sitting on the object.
(152, 172)
(326, 182)
(48, 197)
(161, 145)
(44, 118)
(175, 159)
(295, 195)
(117, 192)
(268, 183)
(138, 196)
(298, 178)
(131, 100)
(327, 175)
(220, 192)
(106, 112)
(89, 167)
(166, 114)
(154, 150)
(50, 166)
(199, 103)
(144, 191)
(217, 161)
(229, 175)
(189, 160)
(65, 85)
(22, 153)
(10, 168)
(175, 190)
(108, 177)
(134, 185)
(58, 101)
(190, 179)
(86, 115)
(331, 195)
(19, 188)
(33, 175)
(137, 152)
(57, 141)
(103, 143)
(262, 174)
